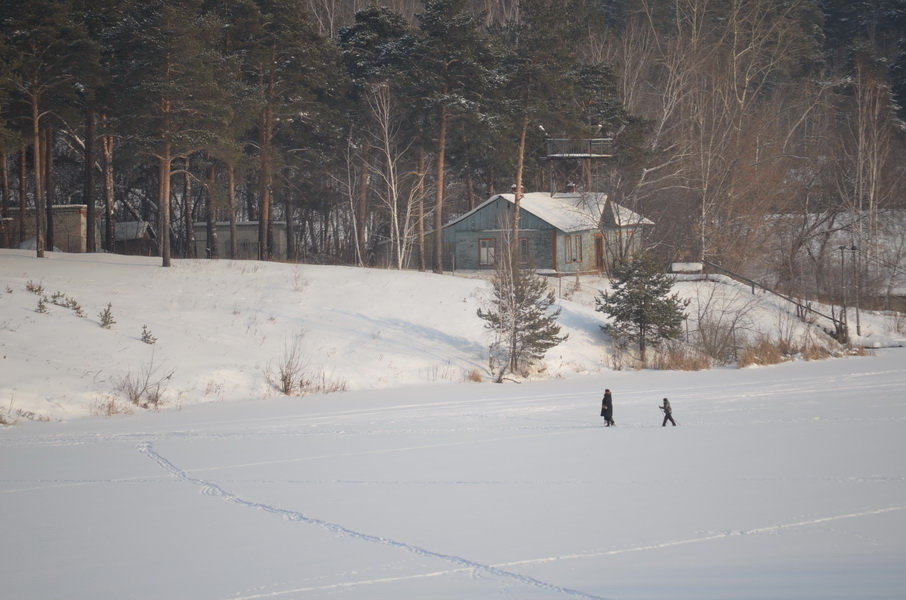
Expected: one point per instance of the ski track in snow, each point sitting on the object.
(464, 564)
(708, 538)
(584, 555)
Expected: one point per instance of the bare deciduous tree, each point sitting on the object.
(400, 204)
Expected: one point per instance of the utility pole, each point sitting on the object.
(857, 284)
(843, 319)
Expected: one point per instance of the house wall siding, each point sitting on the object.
(629, 239)
(550, 248)
(462, 239)
(587, 260)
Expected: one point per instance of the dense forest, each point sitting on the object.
(742, 128)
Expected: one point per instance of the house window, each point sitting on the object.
(524, 257)
(487, 251)
(573, 248)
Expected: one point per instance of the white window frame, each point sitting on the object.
(573, 248)
(487, 252)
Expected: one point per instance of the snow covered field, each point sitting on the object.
(783, 482)
(779, 482)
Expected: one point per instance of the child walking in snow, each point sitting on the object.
(668, 413)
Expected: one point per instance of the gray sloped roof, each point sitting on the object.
(132, 230)
(571, 211)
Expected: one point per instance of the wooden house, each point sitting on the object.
(135, 238)
(568, 232)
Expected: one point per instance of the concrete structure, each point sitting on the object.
(70, 227)
(246, 237)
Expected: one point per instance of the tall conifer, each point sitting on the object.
(287, 65)
(454, 71)
(44, 45)
(171, 101)
(641, 306)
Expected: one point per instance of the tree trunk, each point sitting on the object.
(211, 214)
(39, 178)
(290, 232)
(4, 205)
(518, 192)
(362, 208)
(421, 208)
(109, 197)
(266, 185)
(49, 135)
(4, 184)
(251, 202)
(231, 199)
(188, 221)
(23, 192)
(264, 250)
(88, 181)
(439, 196)
(164, 164)
(470, 188)
(643, 345)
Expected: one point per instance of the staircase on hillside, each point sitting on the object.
(803, 308)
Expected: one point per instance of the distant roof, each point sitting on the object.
(570, 211)
(624, 217)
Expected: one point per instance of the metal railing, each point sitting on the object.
(597, 147)
(802, 309)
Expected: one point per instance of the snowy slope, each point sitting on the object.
(224, 327)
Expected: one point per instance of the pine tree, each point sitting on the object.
(641, 306)
(289, 67)
(44, 45)
(171, 101)
(9, 139)
(454, 73)
(520, 318)
(538, 73)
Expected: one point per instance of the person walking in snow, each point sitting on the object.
(607, 409)
(668, 413)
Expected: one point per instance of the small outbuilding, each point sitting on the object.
(246, 240)
(136, 238)
(70, 228)
(567, 232)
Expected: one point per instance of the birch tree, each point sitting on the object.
(867, 145)
(399, 190)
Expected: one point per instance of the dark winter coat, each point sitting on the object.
(666, 408)
(607, 406)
